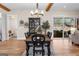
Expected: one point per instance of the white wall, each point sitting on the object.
(24, 15)
(12, 23)
(3, 25)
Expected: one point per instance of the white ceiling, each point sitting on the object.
(42, 6)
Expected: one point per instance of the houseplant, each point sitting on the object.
(45, 26)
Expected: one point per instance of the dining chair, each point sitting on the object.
(49, 34)
(38, 44)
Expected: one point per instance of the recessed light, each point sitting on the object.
(64, 6)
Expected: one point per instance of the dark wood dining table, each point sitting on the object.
(29, 44)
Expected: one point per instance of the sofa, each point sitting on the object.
(75, 37)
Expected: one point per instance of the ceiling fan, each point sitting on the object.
(48, 7)
(4, 7)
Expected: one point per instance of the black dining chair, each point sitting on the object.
(27, 34)
(38, 44)
(49, 34)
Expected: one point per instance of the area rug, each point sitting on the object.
(38, 54)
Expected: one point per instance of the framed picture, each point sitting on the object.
(33, 24)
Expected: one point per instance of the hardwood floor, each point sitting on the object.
(59, 47)
(12, 47)
(64, 47)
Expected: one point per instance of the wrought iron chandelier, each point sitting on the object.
(37, 11)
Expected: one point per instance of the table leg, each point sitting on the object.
(27, 53)
(49, 52)
(27, 50)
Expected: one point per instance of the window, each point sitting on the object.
(69, 22)
(62, 26)
(58, 21)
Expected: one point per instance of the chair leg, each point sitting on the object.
(43, 53)
(33, 51)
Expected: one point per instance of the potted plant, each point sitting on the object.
(45, 26)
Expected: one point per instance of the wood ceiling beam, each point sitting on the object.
(4, 8)
(49, 6)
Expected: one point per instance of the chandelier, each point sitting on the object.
(37, 11)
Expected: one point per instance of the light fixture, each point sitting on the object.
(64, 6)
(37, 11)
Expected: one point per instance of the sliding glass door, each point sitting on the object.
(58, 27)
(62, 26)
